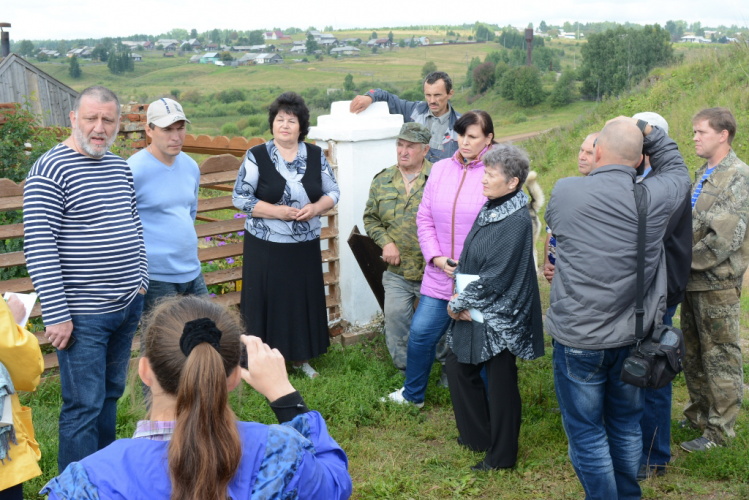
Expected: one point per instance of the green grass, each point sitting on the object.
(402, 453)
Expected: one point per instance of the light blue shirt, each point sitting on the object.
(167, 202)
(698, 188)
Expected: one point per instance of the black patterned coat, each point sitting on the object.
(499, 249)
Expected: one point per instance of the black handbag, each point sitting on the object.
(659, 355)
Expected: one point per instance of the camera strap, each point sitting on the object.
(641, 199)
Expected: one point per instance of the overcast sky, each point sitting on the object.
(70, 19)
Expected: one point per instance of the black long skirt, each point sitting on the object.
(283, 297)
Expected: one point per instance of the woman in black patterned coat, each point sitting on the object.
(499, 250)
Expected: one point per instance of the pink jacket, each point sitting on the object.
(452, 199)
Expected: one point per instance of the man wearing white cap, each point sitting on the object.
(166, 190)
(656, 417)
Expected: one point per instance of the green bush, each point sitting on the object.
(176, 93)
(528, 90)
(229, 129)
(256, 120)
(518, 117)
(499, 71)
(242, 124)
(507, 86)
(192, 96)
(229, 96)
(251, 132)
(246, 109)
(561, 95)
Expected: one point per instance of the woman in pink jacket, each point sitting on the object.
(451, 201)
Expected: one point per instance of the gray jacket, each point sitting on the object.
(594, 220)
(418, 112)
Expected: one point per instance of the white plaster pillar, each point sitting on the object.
(362, 145)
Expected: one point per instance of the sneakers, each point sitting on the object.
(397, 397)
(699, 444)
(307, 369)
(646, 472)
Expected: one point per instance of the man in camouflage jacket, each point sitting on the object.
(390, 220)
(711, 309)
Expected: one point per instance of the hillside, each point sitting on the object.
(677, 93)
(398, 69)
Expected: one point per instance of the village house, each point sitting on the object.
(212, 46)
(268, 59)
(210, 58)
(327, 40)
(350, 41)
(247, 59)
(136, 57)
(379, 42)
(168, 54)
(695, 39)
(194, 43)
(195, 59)
(275, 35)
(148, 45)
(298, 49)
(345, 51)
(54, 100)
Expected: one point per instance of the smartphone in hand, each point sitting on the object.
(451, 263)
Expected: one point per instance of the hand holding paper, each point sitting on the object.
(20, 304)
(461, 282)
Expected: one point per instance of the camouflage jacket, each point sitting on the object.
(390, 216)
(720, 251)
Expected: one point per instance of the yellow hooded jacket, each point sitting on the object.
(20, 353)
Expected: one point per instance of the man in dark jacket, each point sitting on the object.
(656, 415)
(592, 306)
(436, 113)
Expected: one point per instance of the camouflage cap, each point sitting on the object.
(415, 132)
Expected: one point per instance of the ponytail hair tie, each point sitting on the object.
(198, 331)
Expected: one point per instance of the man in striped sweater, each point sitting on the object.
(87, 260)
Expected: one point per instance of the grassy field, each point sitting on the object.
(399, 68)
(402, 453)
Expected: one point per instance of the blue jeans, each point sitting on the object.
(158, 290)
(656, 418)
(601, 417)
(93, 372)
(429, 324)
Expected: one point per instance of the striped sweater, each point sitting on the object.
(83, 238)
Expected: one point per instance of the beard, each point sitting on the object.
(92, 149)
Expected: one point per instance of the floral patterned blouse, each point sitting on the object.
(282, 231)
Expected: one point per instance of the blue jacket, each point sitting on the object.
(418, 112)
(297, 459)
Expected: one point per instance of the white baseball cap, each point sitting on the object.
(653, 119)
(164, 112)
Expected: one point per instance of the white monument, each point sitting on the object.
(361, 146)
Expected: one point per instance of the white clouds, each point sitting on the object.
(46, 19)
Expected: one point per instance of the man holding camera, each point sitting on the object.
(710, 312)
(592, 306)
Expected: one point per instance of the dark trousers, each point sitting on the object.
(12, 493)
(494, 424)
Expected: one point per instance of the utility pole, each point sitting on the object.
(4, 40)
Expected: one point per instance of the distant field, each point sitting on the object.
(397, 68)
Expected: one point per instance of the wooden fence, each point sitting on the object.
(217, 173)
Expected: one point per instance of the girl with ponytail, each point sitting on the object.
(192, 447)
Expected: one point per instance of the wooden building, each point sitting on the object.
(20, 80)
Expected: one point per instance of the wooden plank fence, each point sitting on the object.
(218, 173)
